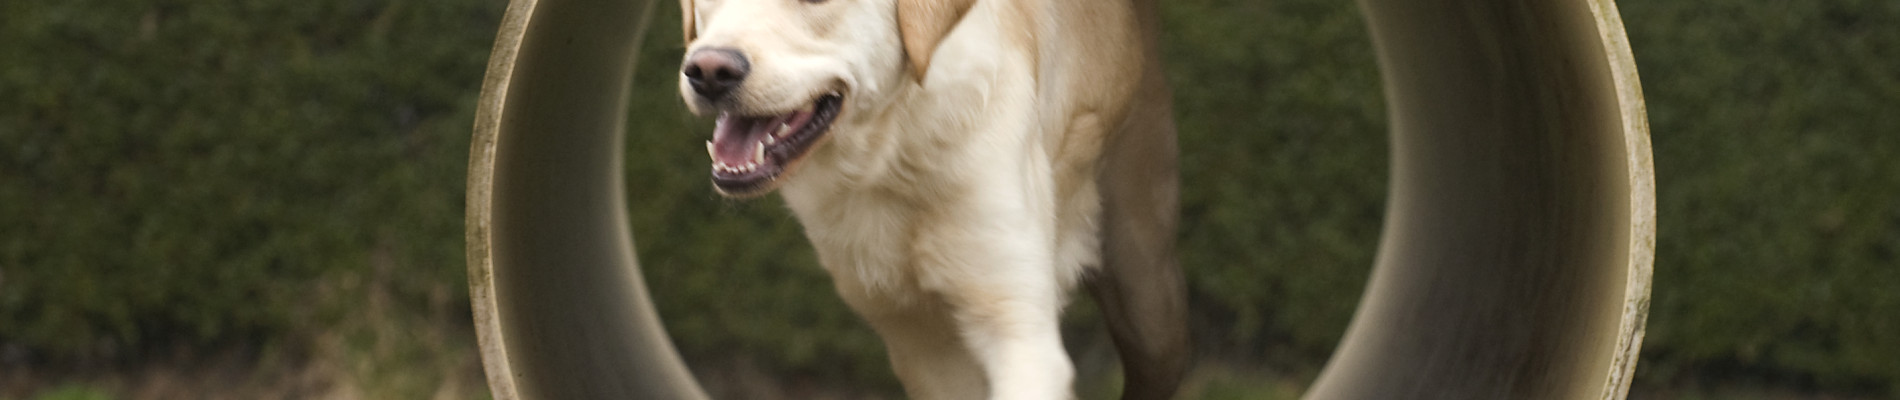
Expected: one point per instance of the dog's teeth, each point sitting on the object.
(769, 140)
(758, 154)
(783, 129)
(710, 152)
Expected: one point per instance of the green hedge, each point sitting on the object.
(1778, 168)
(207, 173)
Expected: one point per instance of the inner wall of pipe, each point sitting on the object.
(1503, 271)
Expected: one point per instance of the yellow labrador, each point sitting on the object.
(960, 165)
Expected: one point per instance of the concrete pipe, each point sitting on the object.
(1515, 260)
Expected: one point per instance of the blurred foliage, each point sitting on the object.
(1283, 172)
(1778, 168)
(206, 172)
(241, 171)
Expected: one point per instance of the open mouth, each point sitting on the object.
(750, 152)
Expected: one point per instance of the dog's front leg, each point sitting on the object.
(1015, 337)
(993, 271)
(927, 353)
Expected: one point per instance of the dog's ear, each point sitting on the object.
(921, 23)
(688, 24)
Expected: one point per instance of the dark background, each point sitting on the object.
(263, 199)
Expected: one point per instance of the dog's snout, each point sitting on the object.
(715, 71)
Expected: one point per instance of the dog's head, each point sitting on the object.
(778, 73)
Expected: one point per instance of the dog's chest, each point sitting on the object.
(862, 238)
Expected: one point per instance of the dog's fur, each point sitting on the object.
(988, 154)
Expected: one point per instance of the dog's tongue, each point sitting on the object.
(736, 138)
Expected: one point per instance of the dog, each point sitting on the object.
(959, 166)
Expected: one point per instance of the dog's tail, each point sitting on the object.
(1140, 289)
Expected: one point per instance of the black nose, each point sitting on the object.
(715, 71)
